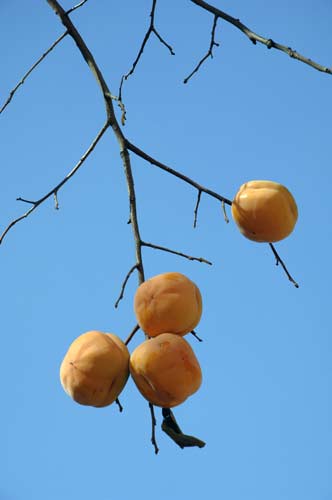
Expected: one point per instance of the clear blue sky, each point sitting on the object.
(264, 408)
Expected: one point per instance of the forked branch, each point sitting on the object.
(209, 53)
(151, 30)
(139, 152)
(54, 191)
(255, 38)
(280, 261)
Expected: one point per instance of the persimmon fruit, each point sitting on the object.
(168, 302)
(165, 370)
(95, 368)
(264, 211)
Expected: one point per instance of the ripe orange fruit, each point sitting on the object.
(264, 211)
(95, 368)
(168, 302)
(165, 370)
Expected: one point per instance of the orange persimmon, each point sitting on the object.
(165, 370)
(168, 302)
(264, 211)
(95, 368)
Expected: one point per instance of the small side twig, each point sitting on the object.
(165, 249)
(56, 201)
(121, 106)
(131, 270)
(153, 429)
(280, 261)
(196, 207)
(132, 333)
(151, 30)
(21, 82)
(224, 211)
(196, 336)
(76, 7)
(119, 405)
(54, 191)
(209, 53)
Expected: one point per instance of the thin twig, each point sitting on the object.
(254, 37)
(30, 202)
(119, 405)
(53, 191)
(153, 429)
(209, 53)
(224, 211)
(196, 336)
(132, 333)
(21, 82)
(196, 207)
(151, 29)
(177, 174)
(76, 7)
(164, 249)
(121, 106)
(279, 261)
(131, 270)
(56, 201)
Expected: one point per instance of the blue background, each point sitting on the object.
(264, 408)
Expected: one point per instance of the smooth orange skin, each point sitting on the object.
(95, 369)
(168, 302)
(264, 211)
(165, 370)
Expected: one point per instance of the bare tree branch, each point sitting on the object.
(164, 249)
(21, 82)
(55, 190)
(254, 37)
(171, 171)
(209, 53)
(151, 30)
(131, 270)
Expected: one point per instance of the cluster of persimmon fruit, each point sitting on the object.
(164, 367)
(168, 306)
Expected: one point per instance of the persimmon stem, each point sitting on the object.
(119, 405)
(196, 336)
